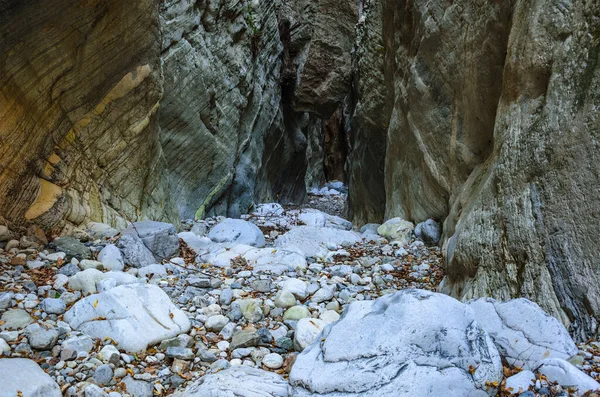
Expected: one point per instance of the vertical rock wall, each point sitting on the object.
(113, 111)
(491, 122)
(80, 85)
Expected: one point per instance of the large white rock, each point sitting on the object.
(25, 376)
(159, 237)
(411, 343)
(397, 229)
(271, 260)
(134, 316)
(522, 332)
(238, 381)
(237, 231)
(87, 280)
(111, 258)
(312, 241)
(316, 218)
(567, 375)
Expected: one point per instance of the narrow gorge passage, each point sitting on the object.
(299, 198)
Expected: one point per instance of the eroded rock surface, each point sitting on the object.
(479, 111)
(426, 357)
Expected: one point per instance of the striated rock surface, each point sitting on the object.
(81, 85)
(488, 113)
(154, 110)
(525, 223)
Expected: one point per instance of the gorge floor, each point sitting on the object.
(240, 312)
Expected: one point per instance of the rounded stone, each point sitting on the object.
(272, 361)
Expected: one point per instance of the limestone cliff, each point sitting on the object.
(80, 85)
(490, 118)
(111, 110)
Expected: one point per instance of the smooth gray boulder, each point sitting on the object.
(25, 376)
(159, 237)
(237, 231)
(312, 241)
(15, 319)
(72, 247)
(429, 231)
(41, 338)
(134, 316)
(411, 343)
(523, 333)
(135, 253)
(138, 388)
(238, 381)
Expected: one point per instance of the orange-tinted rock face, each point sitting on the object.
(80, 86)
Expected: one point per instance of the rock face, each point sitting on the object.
(79, 132)
(427, 356)
(154, 110)
(481, 109)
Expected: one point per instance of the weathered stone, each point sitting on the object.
(522, 332)
(135, 253)
(20, 376)
(311, 241)
(134, 316)
(72, 247)
(239, 381)
(437, 349)
(397, 229)
(237, 231)
(159, 237)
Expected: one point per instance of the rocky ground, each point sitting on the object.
(231, 306)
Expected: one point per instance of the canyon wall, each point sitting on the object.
(490, 113)
(80, 86)
(112, 112)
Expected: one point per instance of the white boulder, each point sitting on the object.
(134, 316)
(237, 231)
(411, 343)
(312, 241)
(522, 331)
(238, 381)
(24, 376)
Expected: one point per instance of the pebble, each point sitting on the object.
(272, 361)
